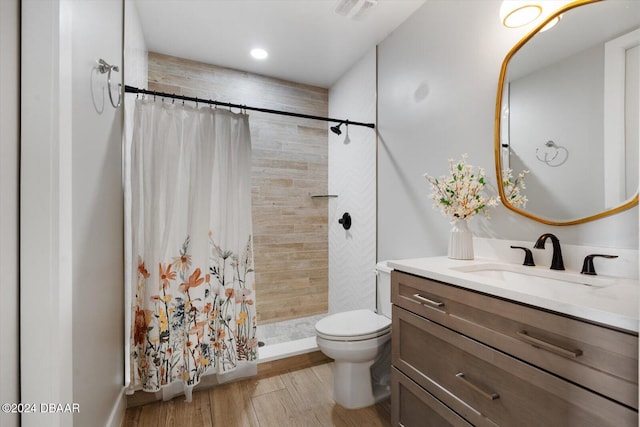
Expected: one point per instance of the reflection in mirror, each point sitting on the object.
(567, 112)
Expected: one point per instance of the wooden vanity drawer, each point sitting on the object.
(488, 387)
(599, 358)
(412, 406)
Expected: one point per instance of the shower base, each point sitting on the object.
(288, 338)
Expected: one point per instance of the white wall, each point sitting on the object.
(9, 146)
(136, 63)
(438, 75)
(352, 176)
(71, 212)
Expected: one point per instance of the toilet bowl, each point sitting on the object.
(359, 341)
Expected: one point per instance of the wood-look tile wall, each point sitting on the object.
(289, 165)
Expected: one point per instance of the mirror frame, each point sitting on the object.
(497, 122)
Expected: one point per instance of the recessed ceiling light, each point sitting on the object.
(259, 53)
(551, 24)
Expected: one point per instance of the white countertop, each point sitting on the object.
(615, 304)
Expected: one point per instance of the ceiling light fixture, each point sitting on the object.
(259, 53)
(551, 24)
(518, 13)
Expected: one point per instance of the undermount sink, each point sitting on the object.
(531, 275)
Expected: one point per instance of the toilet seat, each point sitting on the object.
(356, 325)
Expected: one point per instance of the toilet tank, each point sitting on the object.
(383, 292)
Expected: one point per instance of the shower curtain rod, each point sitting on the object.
(131, 89)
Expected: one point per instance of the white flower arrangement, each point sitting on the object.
(459, 195)
(512, 188)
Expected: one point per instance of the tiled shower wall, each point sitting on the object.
(290, 164)
(352, 176)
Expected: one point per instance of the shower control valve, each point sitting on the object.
(345, 221)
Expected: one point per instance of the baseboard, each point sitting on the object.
(117, 413)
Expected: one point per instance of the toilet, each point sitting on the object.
(359, 341)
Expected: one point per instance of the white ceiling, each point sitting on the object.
(307, 41)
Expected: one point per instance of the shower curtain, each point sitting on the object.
(193, 300)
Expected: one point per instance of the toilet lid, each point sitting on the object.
(353, 325)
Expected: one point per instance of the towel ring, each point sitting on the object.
(557, 149)
(106, 68)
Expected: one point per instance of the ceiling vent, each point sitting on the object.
(355, 9)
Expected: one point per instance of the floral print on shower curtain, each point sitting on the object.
(194, 301)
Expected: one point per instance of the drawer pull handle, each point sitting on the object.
(420, 298)
(486, 394)
(537, 342)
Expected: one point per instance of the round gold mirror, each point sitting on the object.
(567, 112)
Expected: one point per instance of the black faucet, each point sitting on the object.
(528, 256)
(556, 261)
(587, 265)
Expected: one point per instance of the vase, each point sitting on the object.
(460, 241)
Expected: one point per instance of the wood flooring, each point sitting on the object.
(297, 398)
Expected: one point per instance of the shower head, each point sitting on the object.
(336, 129)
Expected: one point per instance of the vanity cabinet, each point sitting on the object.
(461, 357)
